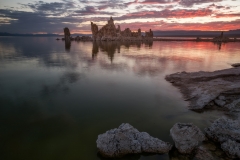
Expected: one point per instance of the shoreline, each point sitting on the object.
(193, 39)
(155, 39)
(217, 90)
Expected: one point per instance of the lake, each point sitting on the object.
(55, 99)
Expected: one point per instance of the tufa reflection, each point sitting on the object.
(111, 47)
(67, 46)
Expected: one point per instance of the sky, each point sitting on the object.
(51, 16)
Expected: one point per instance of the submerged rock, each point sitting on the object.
(227, 133)
(236, 65)
(232, 148)
(186, 137)
(203, 154)
(127, 140)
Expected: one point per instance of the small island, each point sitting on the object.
(109, 32)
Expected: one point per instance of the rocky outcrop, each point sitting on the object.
(186, 137)
(227, 133)
(202, 153)
(67, 35)
(221, 38)
(224, 129)
(232, 148)
(83, 38)
(236, 65)
(218, 89)
(109, 32)
(127, 140)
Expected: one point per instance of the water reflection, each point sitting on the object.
(218, 44)
(52, 97)
(62, 86)
(112, 47)
(67, 46)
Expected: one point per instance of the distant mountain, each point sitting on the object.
(176, 33)
(39, 35)
(182, 33)
(28, 35)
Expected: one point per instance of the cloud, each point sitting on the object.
(52, 17)
(29, 22)
(113, 4)
(179, 13)
(189, 3)
(89, 10)
(154, 2)
(227, 15)
(50, 8)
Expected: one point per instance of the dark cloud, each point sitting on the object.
(51, 17)
(29, 22)
(146, 2)
(113, 4)
(50, 8)
(89, 10)
(189, 3)
(218, 6)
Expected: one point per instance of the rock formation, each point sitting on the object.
(203, 154)
(236, 65)
(232, 148)
(127, 140)
(221, 38)
(109, 32)
(186, 137)
(227, 133)
(67, 38)
(67, 34)
(218, 89)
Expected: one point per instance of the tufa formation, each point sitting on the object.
(109, 32)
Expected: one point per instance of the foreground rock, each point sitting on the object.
(227, 133)
(232, 148)
(203, 154)
(219, 89)
(186, 137)
(127, 140)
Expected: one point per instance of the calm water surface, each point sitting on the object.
(54, 101)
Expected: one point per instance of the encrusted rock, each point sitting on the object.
(232, 148)
(219, 102)
(110, 32)
(203, 154)
(127, 140)
(201, 88)
(224, 129)
(227, 133)
(186, 137)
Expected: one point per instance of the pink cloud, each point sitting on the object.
(180, 13)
